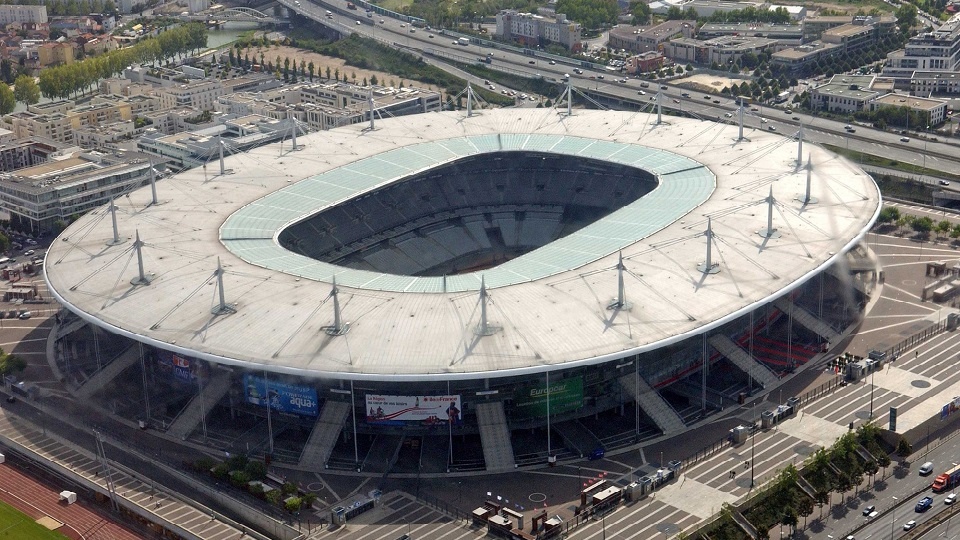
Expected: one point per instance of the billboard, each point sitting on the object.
(429, 410)
(182, 369)
(283, 397)
(565, 395)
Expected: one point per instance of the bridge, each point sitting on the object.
(239, 14)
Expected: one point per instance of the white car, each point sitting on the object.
(25, 315)
(28, 252)
(951, 498)
(910, 524)
(727, 115)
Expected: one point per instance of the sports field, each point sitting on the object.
(17, 525)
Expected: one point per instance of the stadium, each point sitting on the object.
(463, 292)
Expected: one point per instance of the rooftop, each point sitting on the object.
(548, 306)
(903, 100)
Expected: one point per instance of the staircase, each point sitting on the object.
(653, 404)
(577, 436)
(192, 414)
(495, 436)
(109, 372)
(324, 436)
(806, 319)
(743, 360)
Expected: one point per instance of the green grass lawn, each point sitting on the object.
(18, 526)
(394, 5)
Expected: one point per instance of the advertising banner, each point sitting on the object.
(565, 395)
(950, 408)
(429, 410)
(179, 368)
(283, 397)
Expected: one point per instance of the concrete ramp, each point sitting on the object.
(653, 404)
(192, 414)
(383, 453)
(806, 319)
(324, 436)
(109, 372)
(743, 360)
(495, 436)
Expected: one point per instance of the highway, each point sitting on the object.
(936, 155)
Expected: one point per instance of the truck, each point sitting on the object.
(946, 480)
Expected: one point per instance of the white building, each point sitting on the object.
(23, 14)
(201, 95)
(844, 94)
(935, 109)
(929, 61)
(39, 196)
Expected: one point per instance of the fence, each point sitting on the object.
(916, 339)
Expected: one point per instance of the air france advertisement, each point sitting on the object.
(428, 410)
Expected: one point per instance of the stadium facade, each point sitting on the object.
(470, 292)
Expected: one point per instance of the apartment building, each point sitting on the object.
(198, 94)
(844, 93)
(535, 30)
(720, 50)
(20, 153)
(934, 109)
(37, 197)
(14, 14)
(929, 62)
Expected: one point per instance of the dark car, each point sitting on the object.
(597, 453)
(924, 504)
(869, 509)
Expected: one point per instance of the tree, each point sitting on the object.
(943, 228)
(889, 214)
(7, 99)
(883, 461)
(922, 226)
(591, 14)
(10, 363)
(903, 449)
(26, 90)
(640, 11)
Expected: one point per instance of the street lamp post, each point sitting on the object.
(753, 440)
(893, 518)
(871, 391)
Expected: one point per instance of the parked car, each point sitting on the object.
(869, 509)
(25, 315)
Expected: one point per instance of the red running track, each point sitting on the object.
(81, 520)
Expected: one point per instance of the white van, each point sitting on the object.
(926, 469)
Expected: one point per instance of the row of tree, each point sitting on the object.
(69, 7)
(25, 91)
(63, 81)
(922, 226)
(838, 469)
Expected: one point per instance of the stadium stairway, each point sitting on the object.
(193, 413)
(743, 360)
(806, 319)
(653, 404)
(324, 436)
(577, 436)
(109, 372)
(495, 436)
(383, 453)
(71, 327)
